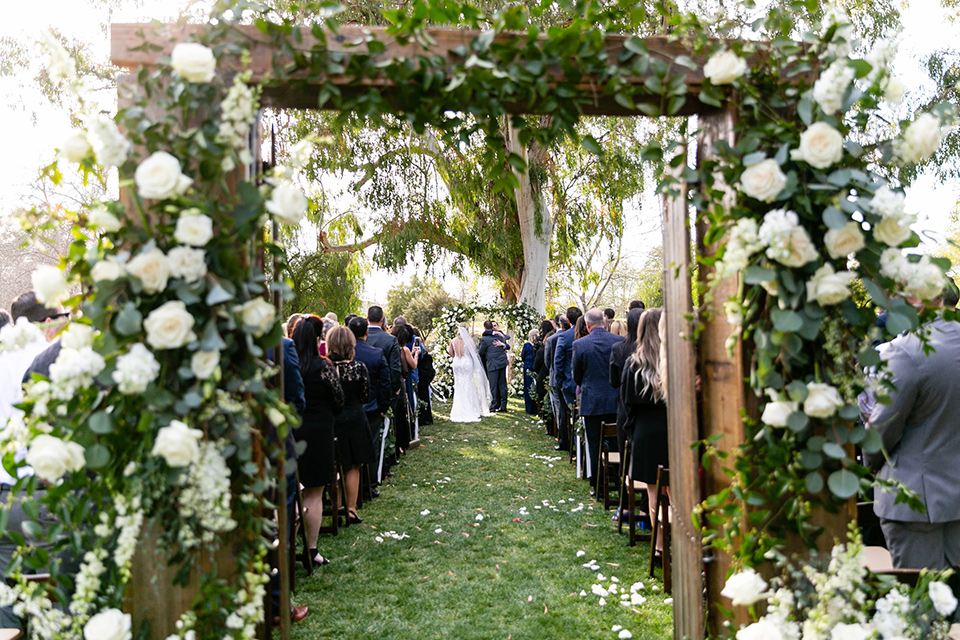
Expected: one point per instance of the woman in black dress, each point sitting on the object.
(618, 360)
(324, 399)
(643, 393)
(351, 427)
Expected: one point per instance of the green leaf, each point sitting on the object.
(814, 482)
(218, 295)
(98, 456)
(862, 67)
(843, 484)
(876, 293)
(834, 450)
(869, 357)
(754, 158)
(129, 321)
(834, 218)
(839, 178)
(636, 45)
(786, 320)
(590, 143)
(797, 391)
(211, 340)
(816, 443)
(872, 442)
(101, 422)
(756, 275)
(805, 110)
(810, 459)
(797, 421)
(849, 412)
(687, 62)
(899, 321)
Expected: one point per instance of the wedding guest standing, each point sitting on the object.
(562, 361)
(378, 402)
(643, 392)
(528, 354)
(591, 371)
(324, 399)
(618, 360)
(350, 427)
(406, 404)
(379, 338)
(556, 397)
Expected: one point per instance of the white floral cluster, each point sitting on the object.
(128, 522)
(742, 243)
(46, 622)
(922, 279)
(249, 602)
(822, 401)
(101, 138)
(87, 583)
(73, 370)
(16, 335)
(206, 497)
(238, 111)
(840, 597)
(830, 87)
(136, 369)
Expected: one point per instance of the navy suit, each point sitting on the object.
(381, 393)
(566, 389)
(377, 337)
(598, 400)
(292, 378)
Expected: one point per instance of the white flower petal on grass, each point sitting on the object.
(583, 594)
(602, 602)
(637, 599)
(636, 586)
(438, 530)
(425, 512)
(616, 627)
(479, 517)
(624, 635)
(668, 601)
(581, 553)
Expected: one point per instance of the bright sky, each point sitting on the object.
(33, 128)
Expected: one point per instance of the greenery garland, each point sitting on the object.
(160, 387)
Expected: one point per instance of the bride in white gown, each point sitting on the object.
(471, 391)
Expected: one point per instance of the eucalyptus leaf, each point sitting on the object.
(797, 421)
(756, 275)
(843, 484)
(797, 391)
(810, 459)
(814, 482)
(786, 320)
(834, 218)
(101, 422)
(834, 450)
(98, 456)
(129, 321)
(872, 442)
(218, 295)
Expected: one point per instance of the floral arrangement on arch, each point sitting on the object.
(158, 427)
(819, 240)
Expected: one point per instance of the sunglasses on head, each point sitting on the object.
(58, 316)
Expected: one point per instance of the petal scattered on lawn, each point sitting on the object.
(616, 627)
(581, 553)
(438, 530)
(479, 517)
(668, 601)
(602, 602)
(583, 593)
(425, 512)
(636, 586)
(623, 635)
(637, 599)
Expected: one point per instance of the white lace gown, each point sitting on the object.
(466, 400)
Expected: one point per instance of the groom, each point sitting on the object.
(493, 353)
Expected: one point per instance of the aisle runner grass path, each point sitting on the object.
(477, 537)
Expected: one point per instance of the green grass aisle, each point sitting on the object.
(477, 537)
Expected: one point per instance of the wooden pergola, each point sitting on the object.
(724, 390)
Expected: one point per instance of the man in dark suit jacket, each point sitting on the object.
(493, 353)
(378, 402)
(591, 372)
(556, 398)
(378, 337)
(921, 436)
(563, 374)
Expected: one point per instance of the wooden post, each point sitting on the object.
(724, 377)
(682, 418)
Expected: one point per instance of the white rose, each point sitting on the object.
(257, 316)
(796, 249)
(842, 242)
(194, 62)
(943, 599)
(892, 263)
(893, 90)
(762, 629)
(50, 285)
(111, 624)
(853, 631)
(151, 269)
(77, 336)
(76, 147)
(886, 202)
(106, 270)
(828, 287)
(820, 146)
(734, 311)
(893, 230)
(287, 203)
(109, 145)
(763, 180)
(776, 413)
(101, 218)
(159, 177)
(194, 229)
(169, 326)
(204, 363)
(745, 588)
(920, 140)
(135, 370)
(822, 400)
(52, 457)
(829, 88)
(178, 444)
(724, 67)
(189, 264)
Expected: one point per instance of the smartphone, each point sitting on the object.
(417, 343)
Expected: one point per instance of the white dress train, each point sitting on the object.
(471, 391)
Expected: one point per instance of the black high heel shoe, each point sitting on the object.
(352, 517)
(313, 557)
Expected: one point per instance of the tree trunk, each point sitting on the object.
(536, 238)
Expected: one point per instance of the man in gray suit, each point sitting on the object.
(921, 435)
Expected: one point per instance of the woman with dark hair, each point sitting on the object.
(527, 354)
(409, 358)
(291, 324)
(351, 427)
(581, 329)
(540, 366)
(324, 399)
(644, 393)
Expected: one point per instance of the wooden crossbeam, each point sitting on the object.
(134, 45)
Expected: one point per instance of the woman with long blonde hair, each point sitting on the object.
(643, 392)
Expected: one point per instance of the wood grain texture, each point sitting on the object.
(134, 45)
(682, 419)
(724, 377)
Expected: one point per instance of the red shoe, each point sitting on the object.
(296, 615)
